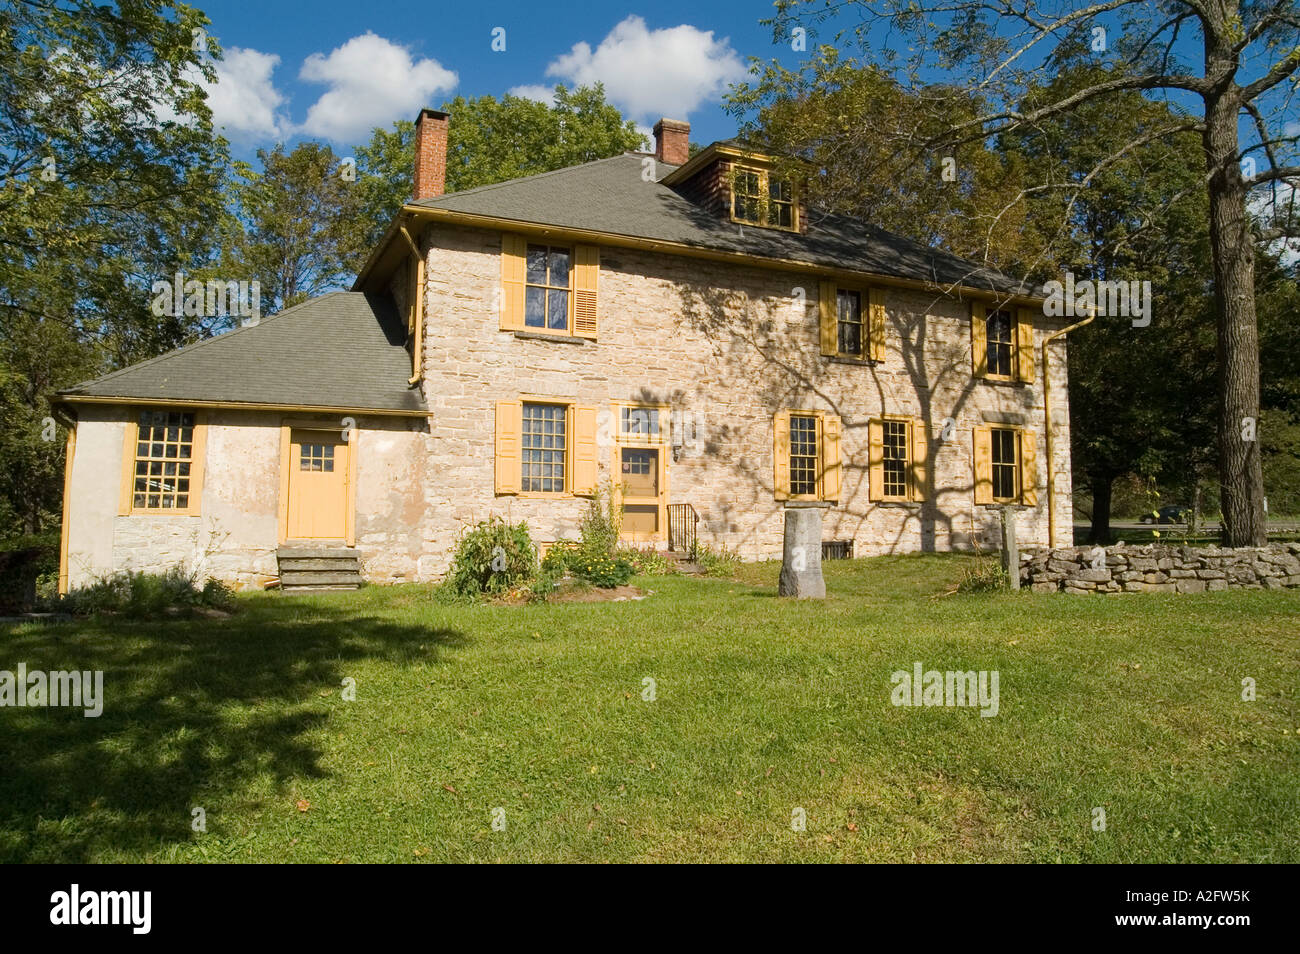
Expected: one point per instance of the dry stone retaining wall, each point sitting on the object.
(1160, 569)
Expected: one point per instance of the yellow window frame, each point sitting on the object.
(764, 175)
(130, 446)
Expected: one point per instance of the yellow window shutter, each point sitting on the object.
(983, 438)
(875, 460)
(781, 455)
(828, 312)
(876, 319)
(509, 422)
(586, 272)
(979, 346)
(1029, 468)
(1025, 345)
(920, 451)
(514, 269)
(127, 489)
(831, 463)
(584, 450)
(198, 464)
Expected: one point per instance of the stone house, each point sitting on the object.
(682, 328)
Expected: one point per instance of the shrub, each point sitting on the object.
(560, 557)
(720, 562)
(602, 522)
(492, 557)
(141, 595)
(603, 570)
(985, 576)
(649, 563)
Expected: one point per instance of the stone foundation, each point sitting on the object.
(1160, 569)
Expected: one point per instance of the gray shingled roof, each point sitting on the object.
(343, 349)
(609, 195)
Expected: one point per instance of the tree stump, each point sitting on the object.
(801, 556)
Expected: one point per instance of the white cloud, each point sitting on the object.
(244, 101)
(539, 92)
(653, 73)
(372, 82)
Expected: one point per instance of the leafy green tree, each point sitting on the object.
(492, 140)
(1228, 64)
(110, 179)
(297, 228)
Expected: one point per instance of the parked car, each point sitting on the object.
(1170, 514)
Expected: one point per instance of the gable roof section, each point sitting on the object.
(610, 196)
(340, 350)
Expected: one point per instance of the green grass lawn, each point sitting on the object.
(762, 706)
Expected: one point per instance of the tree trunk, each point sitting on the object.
(1240, 475)
(1099, 532)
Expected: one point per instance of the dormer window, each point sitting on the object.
(759, 197)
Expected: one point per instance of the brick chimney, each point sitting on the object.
(430, 154)
(672, 141)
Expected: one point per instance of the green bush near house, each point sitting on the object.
(492, 557)
(139, 595)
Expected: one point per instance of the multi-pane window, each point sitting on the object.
(780, 203)
(318, 457)
(747, 201)
(547, 287)
(848, 305)
(543, 448)
(760, 198)
(803, 455)
(164, 456)
(1005, 467)
(895, 446)
(998, 332)
(640, 423)
(637, 462)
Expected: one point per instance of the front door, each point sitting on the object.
(641, 470)
(318, 485)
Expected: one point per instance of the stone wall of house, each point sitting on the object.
(1160, 569)
(727, 346)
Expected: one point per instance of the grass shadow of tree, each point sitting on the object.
(192, 709)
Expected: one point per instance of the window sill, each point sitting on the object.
(905, 504)
(998, 379)
(846, 359)
(556, 338)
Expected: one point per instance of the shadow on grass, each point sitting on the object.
(193, 711)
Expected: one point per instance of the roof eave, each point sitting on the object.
(596, 237)
(64, 397)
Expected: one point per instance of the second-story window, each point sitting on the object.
(848, 307)
(546, 298)
(998, 334)
(760, 198)
(780, 203)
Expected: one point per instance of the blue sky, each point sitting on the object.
(332, 70)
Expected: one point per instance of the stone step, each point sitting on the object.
(339, 564)
(318, 578)
(315, 552)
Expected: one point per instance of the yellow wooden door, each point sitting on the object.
(642, 476)
(318, 485)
